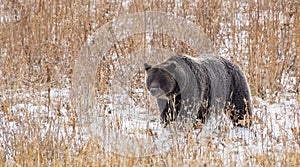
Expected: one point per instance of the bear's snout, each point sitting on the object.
(155, 91)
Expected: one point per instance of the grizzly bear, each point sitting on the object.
(189, 89)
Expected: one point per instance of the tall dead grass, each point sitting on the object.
(40, 40)
(269, 48)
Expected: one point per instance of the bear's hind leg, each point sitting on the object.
(242, 109)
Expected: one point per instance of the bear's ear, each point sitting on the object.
(171, 67)
(147, 66)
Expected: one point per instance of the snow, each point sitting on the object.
(122, 127)
(130, 130)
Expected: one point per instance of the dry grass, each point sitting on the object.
(41, 39)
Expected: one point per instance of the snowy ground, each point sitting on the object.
(132, 131)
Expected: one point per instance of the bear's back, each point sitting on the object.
(219, 76)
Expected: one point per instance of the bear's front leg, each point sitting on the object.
(163, 109)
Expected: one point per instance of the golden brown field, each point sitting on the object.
(45, 60)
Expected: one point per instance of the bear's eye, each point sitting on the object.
(163, 81)
(148, 82)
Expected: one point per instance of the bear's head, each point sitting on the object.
(160, 80)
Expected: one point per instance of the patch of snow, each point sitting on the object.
(129, 130)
